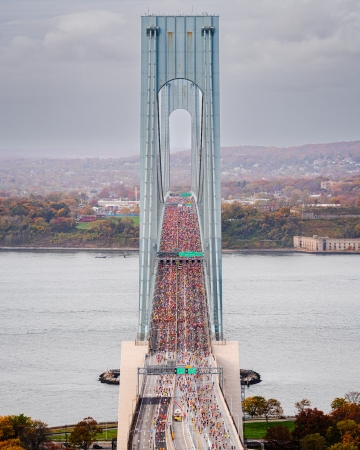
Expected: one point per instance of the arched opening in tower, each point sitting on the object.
(180, 150)
(180, 118)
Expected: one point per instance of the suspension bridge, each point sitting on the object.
(180, 379)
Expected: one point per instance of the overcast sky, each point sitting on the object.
(70, 72)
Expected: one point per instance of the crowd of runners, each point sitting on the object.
(199, 403)
(181, 335)
(180, 230)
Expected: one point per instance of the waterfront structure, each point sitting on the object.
(325, 244)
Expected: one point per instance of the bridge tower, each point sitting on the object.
(180, 70)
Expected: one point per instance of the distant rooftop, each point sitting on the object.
(203, 14)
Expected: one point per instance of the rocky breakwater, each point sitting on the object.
(249, 377)
(111, 376)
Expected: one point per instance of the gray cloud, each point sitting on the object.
(70, 71)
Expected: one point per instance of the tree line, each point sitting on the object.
(314, 430)
(23, 433)
(51, 221)
(247, 227)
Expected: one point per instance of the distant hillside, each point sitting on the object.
(253, 163)
(22, 175)
(334, 159)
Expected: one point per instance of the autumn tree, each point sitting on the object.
(302, 404)
(84, 433)
(271, 408)
(347, 411)
(350, 432)
(254, 405)
(86, 210)
(313, 442)
(19, 423)
(279, 438)
(12, 426)
(6, 428)
(11, 444)
(341, 446)
(35, 435)
(338, 402)
(311, 421)
(353, 397)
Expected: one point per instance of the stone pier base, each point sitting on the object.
(132, 357)
(227, 356)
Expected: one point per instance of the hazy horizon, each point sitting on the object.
(70, 78)
(109, 153)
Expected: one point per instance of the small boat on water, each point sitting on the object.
(100, 255)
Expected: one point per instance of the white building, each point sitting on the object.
(105, 203)
(326, 244)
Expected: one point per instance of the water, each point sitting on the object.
(63, 316)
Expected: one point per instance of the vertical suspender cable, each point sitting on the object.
(145, 194)
(208, 186)
(152, 145)
(201, 163)
(214, 196)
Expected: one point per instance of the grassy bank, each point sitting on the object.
(257, 430)
(252, 430)
(61, 434)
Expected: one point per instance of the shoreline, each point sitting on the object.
(128, 250)
(71, 249)
(134, 250)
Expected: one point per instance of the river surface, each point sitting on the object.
(64, 315)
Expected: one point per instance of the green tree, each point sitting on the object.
(346, 426)
(254, 405)
(337, 403)
(333, 435)
(313, 442)
(35, 435)
(84, 433)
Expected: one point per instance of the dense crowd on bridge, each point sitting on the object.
(180, 331)
(198, 401)
(180, 230)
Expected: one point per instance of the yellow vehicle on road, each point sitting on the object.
(178, 415)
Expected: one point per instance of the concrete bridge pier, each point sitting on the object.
(226, 354)
(132, 357)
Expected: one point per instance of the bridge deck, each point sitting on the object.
(180, 336)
